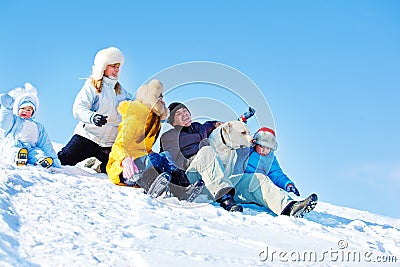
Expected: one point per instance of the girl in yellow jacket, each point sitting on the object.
(137, 132)
(132, 161)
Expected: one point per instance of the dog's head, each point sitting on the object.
(235, 134)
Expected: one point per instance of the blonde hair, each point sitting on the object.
(98, 84)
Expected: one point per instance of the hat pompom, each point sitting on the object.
(105, 57)
(266, 137)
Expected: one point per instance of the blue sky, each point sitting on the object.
(330, 71)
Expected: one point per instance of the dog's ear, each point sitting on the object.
(227, 127)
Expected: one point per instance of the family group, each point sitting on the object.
(120, 130)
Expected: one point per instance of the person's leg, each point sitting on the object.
(35, 154)
(208, 167)
(102, 154)
(77, 149)
(258, 188)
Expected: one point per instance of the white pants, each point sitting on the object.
(249, 187)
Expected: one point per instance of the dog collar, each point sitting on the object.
(223, 139)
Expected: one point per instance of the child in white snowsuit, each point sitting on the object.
(23, 140)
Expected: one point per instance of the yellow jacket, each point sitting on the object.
(137, 134)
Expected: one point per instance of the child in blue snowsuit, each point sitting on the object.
(23, 140)
(268, 186)
(262, 160)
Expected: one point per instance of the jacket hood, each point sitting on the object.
(25, 96)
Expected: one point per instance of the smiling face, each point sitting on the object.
(182, 118)
(25, 112)
(262, 150)
(112, 70)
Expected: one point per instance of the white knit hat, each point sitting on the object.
(266, 137)
(104, 58)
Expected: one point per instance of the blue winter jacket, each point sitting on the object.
(249, 161)
(16, 132)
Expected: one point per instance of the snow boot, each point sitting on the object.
(229, 204)
(160, 185)
(194, 190)
(298, 209)
(188, 193)
(94, 164)
(179, 178)
(146, 178)
(22, 157)
(46, 162)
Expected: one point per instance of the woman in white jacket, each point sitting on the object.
(95, 107)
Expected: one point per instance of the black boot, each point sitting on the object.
(297, 209)
(153, 183)
(159, 185)
(179, 178)
(146, 178)
(188, 193)
(229, 204)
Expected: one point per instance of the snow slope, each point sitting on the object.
(77, 218)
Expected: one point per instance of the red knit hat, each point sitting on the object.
(266, 137)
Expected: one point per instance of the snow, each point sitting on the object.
(76, 217)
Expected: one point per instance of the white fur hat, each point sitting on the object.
(26, 96)
(266, 137)
(106, 57)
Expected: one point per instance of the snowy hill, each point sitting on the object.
(77, 218)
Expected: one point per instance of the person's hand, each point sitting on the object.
(129, 168)
(6, 100)
(247, 115)
(293, 189)
(99, 120)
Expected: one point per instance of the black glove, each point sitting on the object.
(247, 115)
(99, 120)
(292, 188)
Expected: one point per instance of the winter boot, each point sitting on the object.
(194, 190)
(94, 164)
(298, 209)
(188, 193)
(160, 185)
(229, 204)
(179, 178)
(146, 178)
(46, 162)
(22, 157)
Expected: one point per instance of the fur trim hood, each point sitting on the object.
(25, 96)
(104, 58)
(148, 95)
